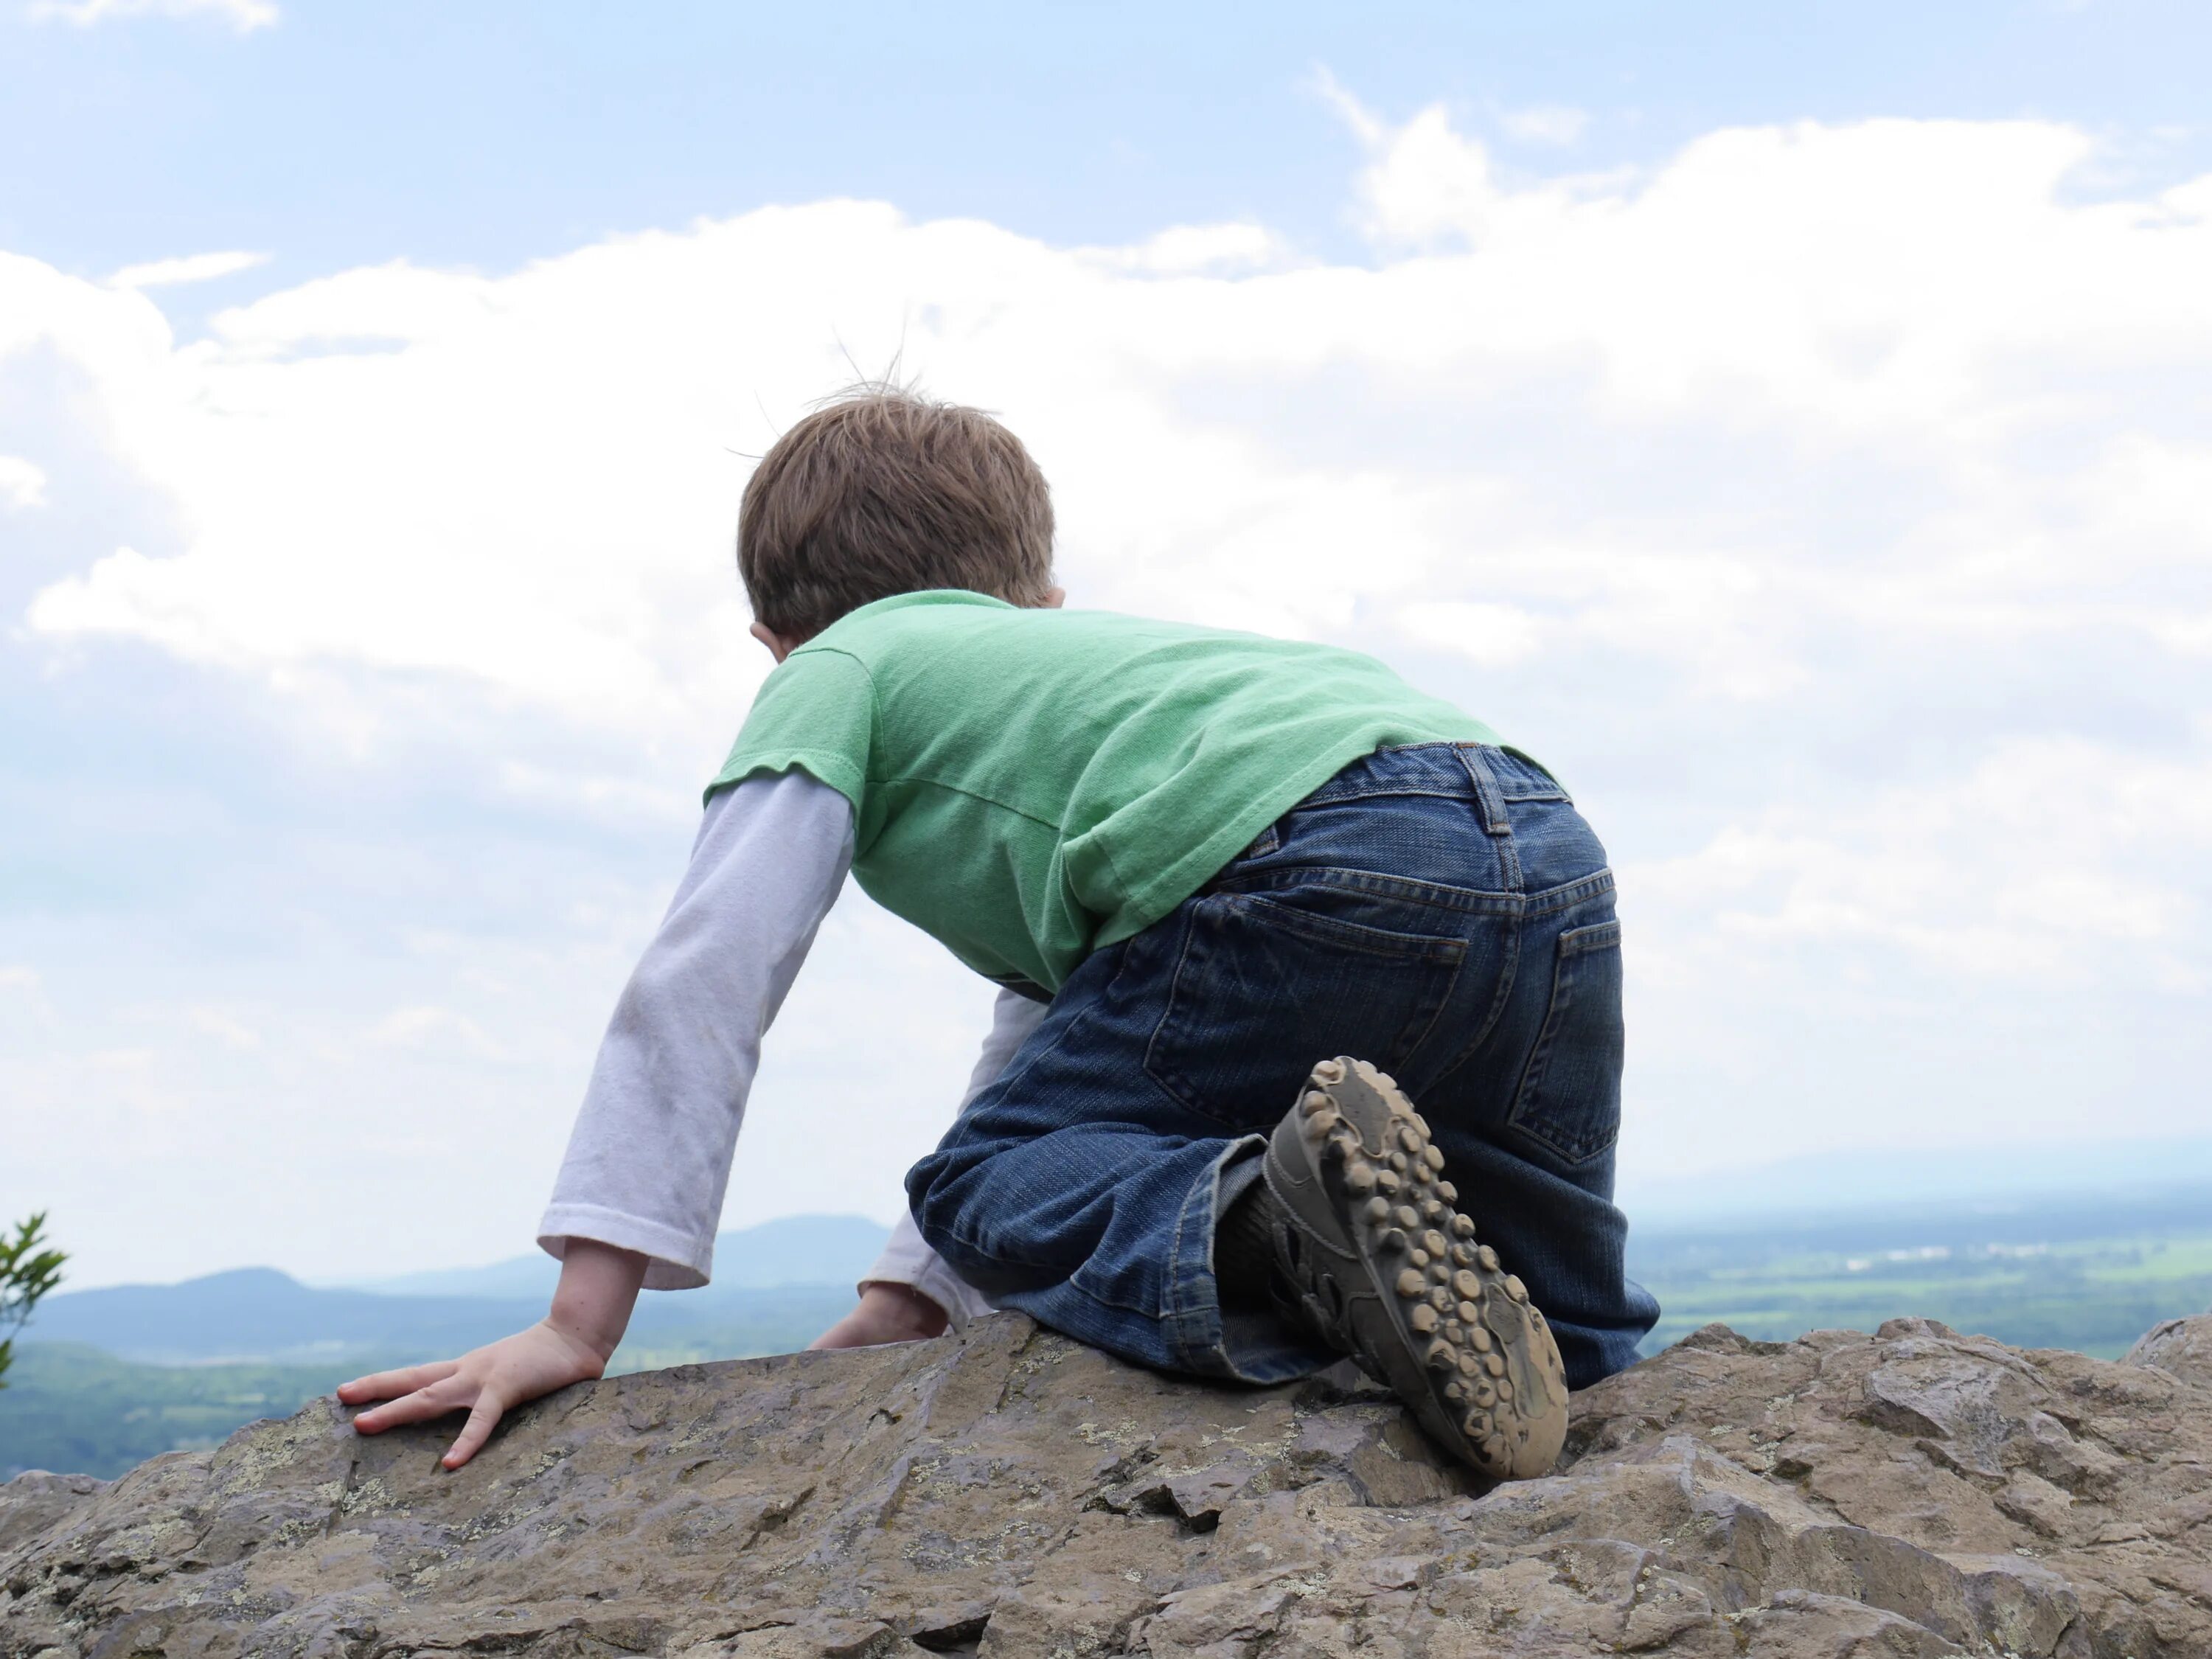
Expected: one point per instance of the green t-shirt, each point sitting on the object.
(1028, 785)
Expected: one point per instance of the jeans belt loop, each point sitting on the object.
(1489, 799)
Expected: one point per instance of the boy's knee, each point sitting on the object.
(951, 1196)
(939, 1189)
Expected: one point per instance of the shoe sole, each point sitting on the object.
(1432, 1313)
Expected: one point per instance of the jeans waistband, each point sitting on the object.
(1462, 771)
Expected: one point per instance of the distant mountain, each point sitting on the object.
(775, 1286)
(257, 1315)
(800, 1250)
(261, 1314)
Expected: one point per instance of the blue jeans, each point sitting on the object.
(1440, 909)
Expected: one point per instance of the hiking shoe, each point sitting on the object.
(1384, 1269)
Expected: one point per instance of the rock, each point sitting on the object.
(1914, 1492)
(32, 1502)
(2180, 1347)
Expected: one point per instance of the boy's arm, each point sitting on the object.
(910, 1291)
(640, 1192)
(649, 1157)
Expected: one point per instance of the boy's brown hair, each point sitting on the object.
(884, 491)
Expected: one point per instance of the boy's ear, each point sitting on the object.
(778, 645)
(1053, 598)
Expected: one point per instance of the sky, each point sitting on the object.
(1794, 430)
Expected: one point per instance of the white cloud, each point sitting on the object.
(16, 980)
(24, 1005)
(1194, 250)
(225, 1028)
(21, 483)
(243, 15)
(1545, 124)
(1488, 636)
(2050, 860)
(432, 1029)
(192, 268)
(1366, 126)
(526, 481)
(1426, 182)
(1919, 293)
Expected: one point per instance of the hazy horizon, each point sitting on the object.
(1811, 1189)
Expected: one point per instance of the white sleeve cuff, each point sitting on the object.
(676, 1260)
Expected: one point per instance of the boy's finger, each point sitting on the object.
(390, 1385)
(474, 1432)
(424, 1403)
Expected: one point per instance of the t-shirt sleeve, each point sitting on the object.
(816, 713)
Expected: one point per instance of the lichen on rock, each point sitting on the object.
(1914, 1492)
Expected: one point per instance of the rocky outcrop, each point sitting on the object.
(2180, 1347)
(1914, 1492)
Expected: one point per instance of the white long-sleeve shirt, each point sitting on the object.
(649, 1157)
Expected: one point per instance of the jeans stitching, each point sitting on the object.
(1352, 935)
(1443, 1002)
(1069, 1279)
(1567, 894)
(1542, 786)
(1174, 1308)
(1533, 1071)
(1435, 948)
(1171, 1300)
(1576, 940)
(1507, 976)
(1547, 787)
(1009, 1075)
(1438, 790)
(956, 1234)
(1495, 822)
(1435, 894)
(1468, 900)
(1167, 1013)
(1198, 1333)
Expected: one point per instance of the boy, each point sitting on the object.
(1216, 875)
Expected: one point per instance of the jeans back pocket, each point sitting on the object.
(1261, 988)
(1568, 1101)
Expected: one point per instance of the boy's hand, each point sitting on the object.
(572, 1344)
(887, 1313)
(486, 1383)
